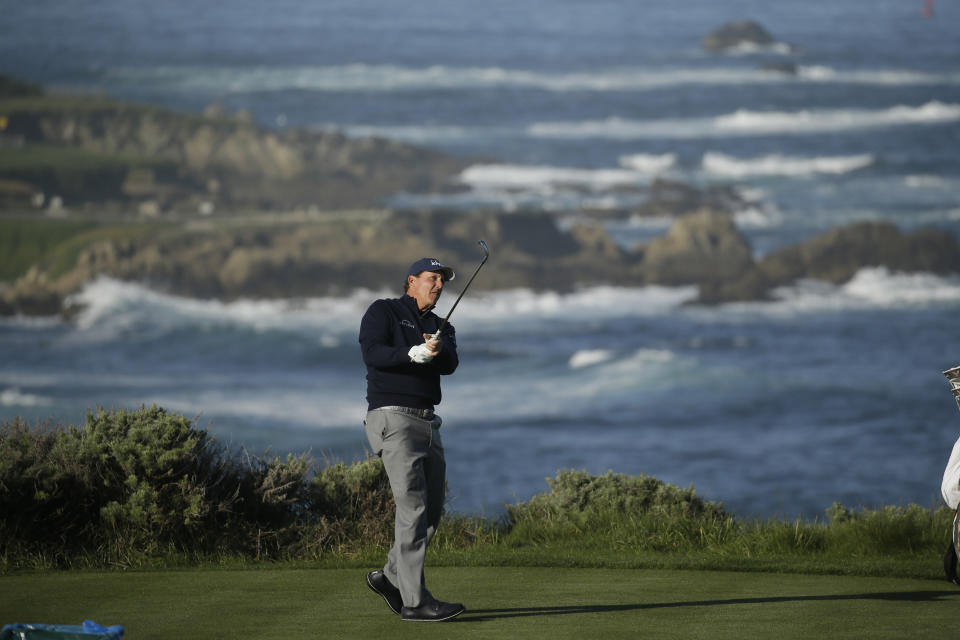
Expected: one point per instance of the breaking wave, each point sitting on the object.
(648, 163)
(745, 122)
(14, 397)
(116, 310)
(111, 307)
(395, 78)
(511, 187)
(636, 169)
(870, 288)
(780, 165)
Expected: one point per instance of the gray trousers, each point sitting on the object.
(412, 455)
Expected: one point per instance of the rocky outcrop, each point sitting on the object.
(699, 248)
(165, 160)
(836, 256)
(333, 255)
(736, 34)
(32, 295)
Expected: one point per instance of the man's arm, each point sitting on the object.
(376, 341)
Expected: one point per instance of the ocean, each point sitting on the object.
(777, 409)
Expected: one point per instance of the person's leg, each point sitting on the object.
(405, 446)
(435, 467)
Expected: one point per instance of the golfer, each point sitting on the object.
(404, 364)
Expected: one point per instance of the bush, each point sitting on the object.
(131, 486)
(619, 511)
(124, 486)
(353, 503)
(135, 488)
(889, 529)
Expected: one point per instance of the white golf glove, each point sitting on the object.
(420, 353)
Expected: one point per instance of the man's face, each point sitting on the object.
(425, 288)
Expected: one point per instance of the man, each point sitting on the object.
(404, 362)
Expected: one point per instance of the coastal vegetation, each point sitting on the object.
(147, 488)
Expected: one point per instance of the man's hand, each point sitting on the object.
(433, 343)
(425, 352)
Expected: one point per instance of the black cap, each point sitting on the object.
(431, 264)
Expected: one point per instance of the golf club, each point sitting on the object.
(486, 254)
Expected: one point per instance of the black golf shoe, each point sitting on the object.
(434, 611)
(378, 582)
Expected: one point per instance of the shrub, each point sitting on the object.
(26, 481)
(888, 529)
(125, 485)
(625, 512)
(131, 486)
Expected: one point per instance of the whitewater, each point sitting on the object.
(392, 78)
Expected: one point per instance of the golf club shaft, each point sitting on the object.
(486, 254)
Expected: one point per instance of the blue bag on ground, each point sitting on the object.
(89, 630)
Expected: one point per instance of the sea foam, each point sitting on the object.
(648, 163)
(824, 120)
(748, 122)
(781, 165)
(115, 310)
(398, 78)
(589, 357)
(14, 397)
(634, 169)
(870, 288)
(522, 176)
(109, 307)
(512, 187)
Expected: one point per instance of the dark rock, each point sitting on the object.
(753, 285)
(837, 255)
(734, 34)
(31, 295)
(698, 248)
(786, 68)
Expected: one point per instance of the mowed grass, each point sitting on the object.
(502, 602)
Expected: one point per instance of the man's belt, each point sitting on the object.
(426, 414)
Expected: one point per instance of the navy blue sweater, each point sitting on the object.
(388, 329)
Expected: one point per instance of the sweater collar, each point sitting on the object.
(412, 303)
